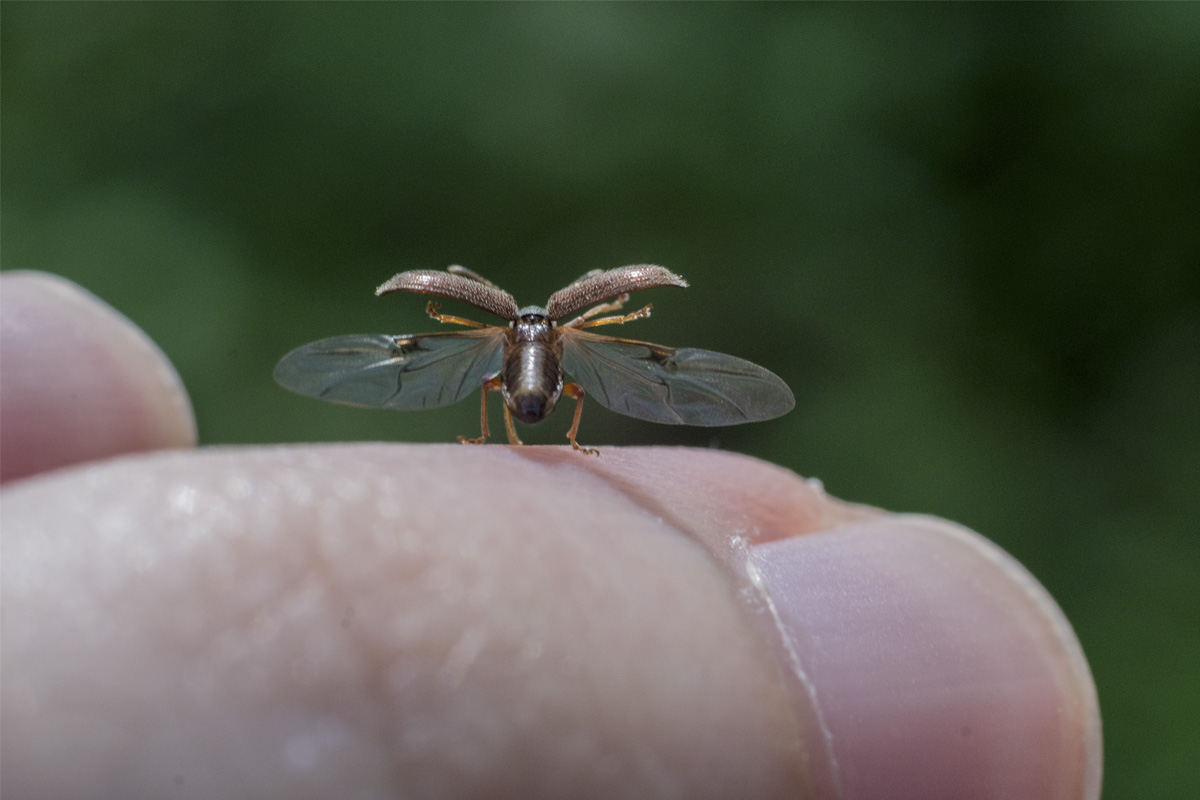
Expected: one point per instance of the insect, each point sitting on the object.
(525, 359)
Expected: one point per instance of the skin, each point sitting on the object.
(384, 620)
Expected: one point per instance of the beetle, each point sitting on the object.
(524, 360)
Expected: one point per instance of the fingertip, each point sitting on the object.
(934, 664)
(923, 660)
(80, 381)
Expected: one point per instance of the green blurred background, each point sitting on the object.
(967, 236)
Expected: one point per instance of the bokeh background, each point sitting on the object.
(967, 236)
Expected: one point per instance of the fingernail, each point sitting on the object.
(929, 664)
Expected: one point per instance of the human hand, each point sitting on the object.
(394, 620)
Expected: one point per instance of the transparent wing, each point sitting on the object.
(406, 373)
(676, 387)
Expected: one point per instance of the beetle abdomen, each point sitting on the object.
(532, 376)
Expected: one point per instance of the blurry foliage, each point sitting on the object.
(966, 235)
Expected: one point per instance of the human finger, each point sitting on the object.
(394, 620)
(80, 382)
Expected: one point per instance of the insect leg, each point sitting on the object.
(458, 269)
(491, 384)
(512, 431)
(613, 305)
(641, 313)
(603, 308)
(575, 392)
(432, 310)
